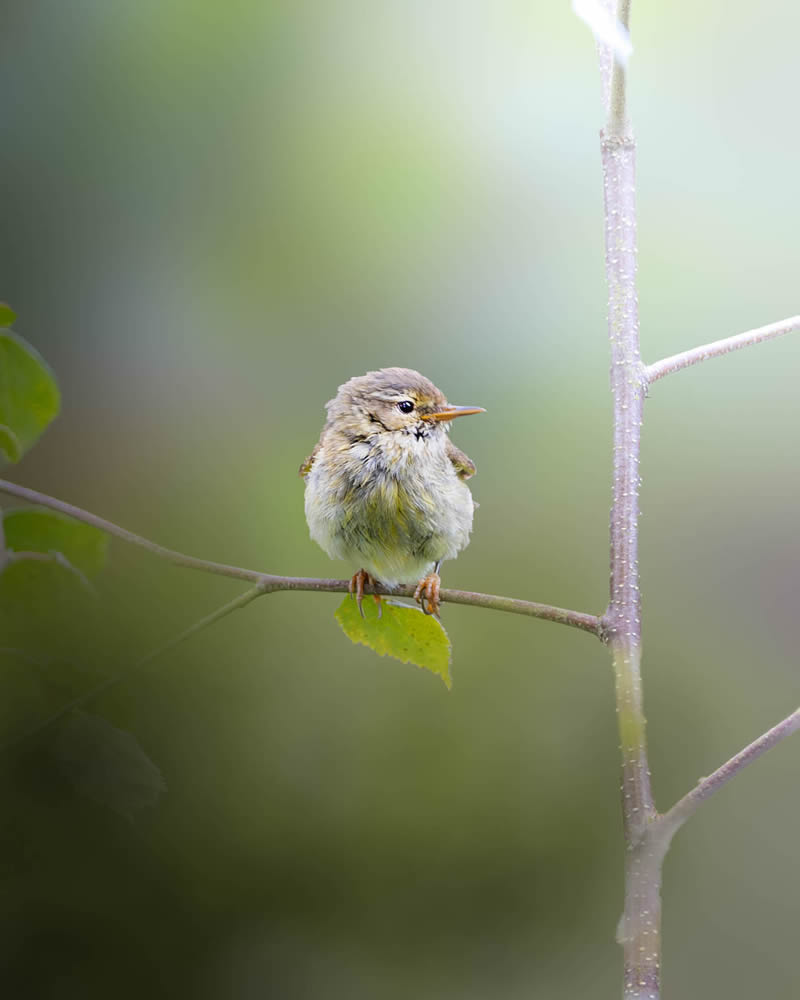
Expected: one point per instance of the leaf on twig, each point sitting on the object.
(29, 396)
(36, 529)
(402, 631)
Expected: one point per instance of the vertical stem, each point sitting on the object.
(617, 110)
(639, 930)
(640, 927)
(623, 617)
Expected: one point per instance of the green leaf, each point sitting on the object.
(402, 631)
(7, 314)
(37, 529)
(46, 606)
(10, 444)
(29, 396)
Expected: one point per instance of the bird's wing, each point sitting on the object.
(305, 468)
(463, 464)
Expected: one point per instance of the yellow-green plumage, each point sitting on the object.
(385, 488)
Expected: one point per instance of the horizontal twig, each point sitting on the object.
(270, 583)
(717, 348)
(516, 606)
(685, 807)
(170, 555)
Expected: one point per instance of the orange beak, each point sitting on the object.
(451, 412)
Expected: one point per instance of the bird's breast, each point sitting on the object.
(394, 509)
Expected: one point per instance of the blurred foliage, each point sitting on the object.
(37, 529)
(46, 606)
(7, 314)
(106, 764)
(214, 215)
(29, 397)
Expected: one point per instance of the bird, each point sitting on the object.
(385, 487)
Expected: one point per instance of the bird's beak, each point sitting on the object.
(451, 412)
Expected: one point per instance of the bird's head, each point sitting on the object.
(392, 401)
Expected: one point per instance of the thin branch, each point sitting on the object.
(269, 583)
(238, 602)
(685, 807)
(640, 927)
(617, 125)
(170, 555)
(717, 348)
(547, 612)
(605, 21)
(623, 618)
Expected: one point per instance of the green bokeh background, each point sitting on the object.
(212, 215)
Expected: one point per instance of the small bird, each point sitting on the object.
(385, 486)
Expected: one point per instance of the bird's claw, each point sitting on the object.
(356, 589)
(427, 593)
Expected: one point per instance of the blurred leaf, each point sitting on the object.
(37, 583)
(51, 558)
(402, 631)
(29, 396)
(36, 529)
(35, 685)
(107, 764)
(7, 314)
(10, 444)
(46, 606)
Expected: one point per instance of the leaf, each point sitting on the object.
(10, 444)
(36, 529)
(46, 606)
(402, 631)
(107, 764)
(29, 396)
(7, 314)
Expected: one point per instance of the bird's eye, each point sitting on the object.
(406, 406)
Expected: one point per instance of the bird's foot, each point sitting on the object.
(427, 593)
(356, 588)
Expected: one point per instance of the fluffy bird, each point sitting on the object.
(386, 487)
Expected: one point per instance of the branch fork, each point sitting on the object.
(647, 833)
